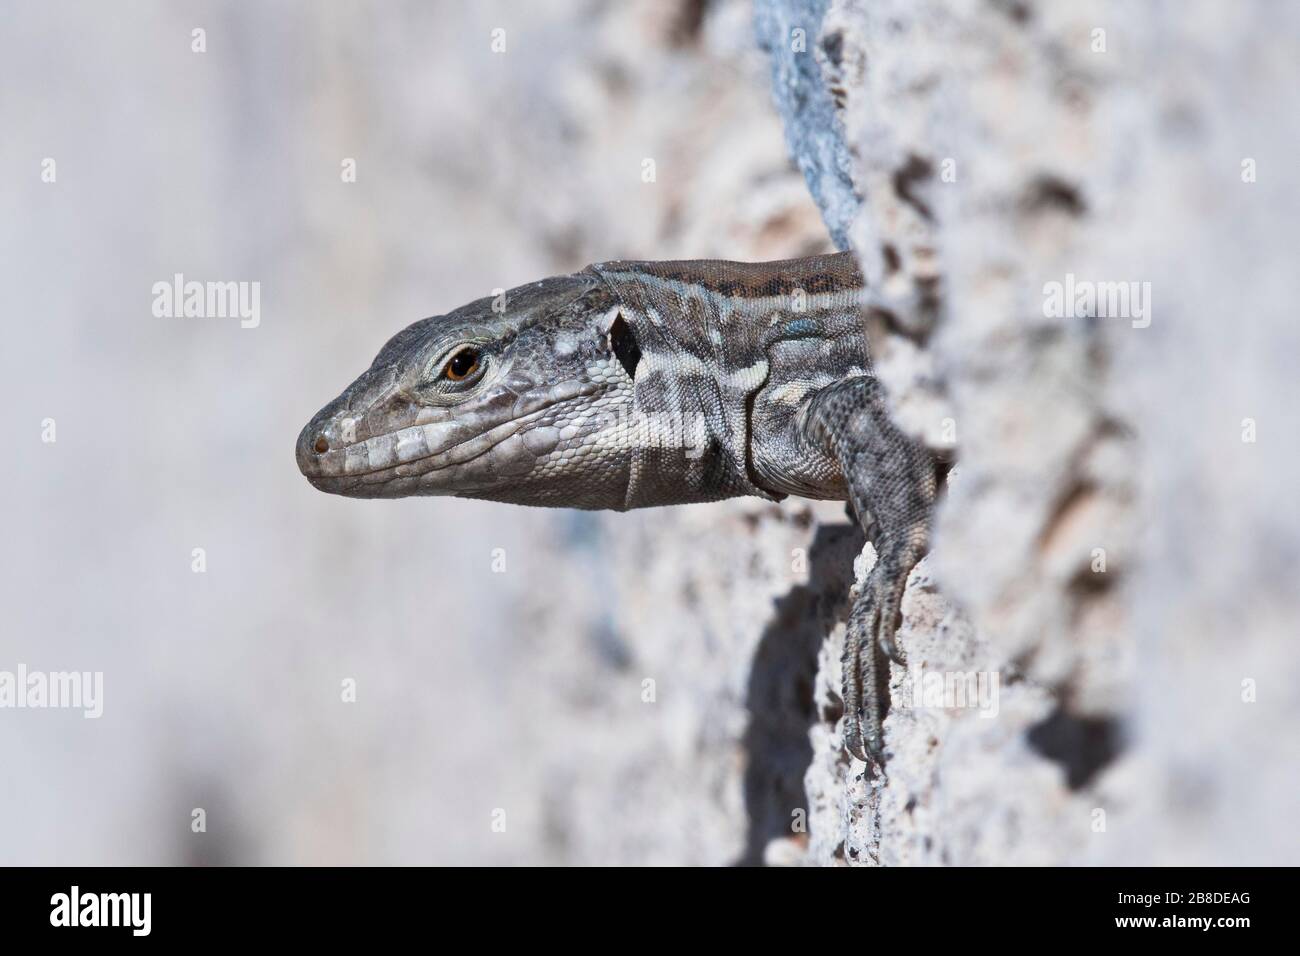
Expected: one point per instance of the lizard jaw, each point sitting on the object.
(446, 455)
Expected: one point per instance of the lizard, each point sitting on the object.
(638, 384)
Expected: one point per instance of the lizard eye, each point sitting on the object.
(463, 364)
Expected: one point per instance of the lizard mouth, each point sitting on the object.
(419, 458)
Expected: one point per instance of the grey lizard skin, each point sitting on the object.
(638, 384)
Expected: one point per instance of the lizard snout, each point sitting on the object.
(314, 440)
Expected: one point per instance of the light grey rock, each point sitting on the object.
(1144, 711)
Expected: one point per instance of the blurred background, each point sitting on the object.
(476, 691)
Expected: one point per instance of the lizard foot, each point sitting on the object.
(891, 488)
(873, 623)
(862, 731)
(886, 583)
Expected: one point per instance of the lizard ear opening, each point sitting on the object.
(623, 341)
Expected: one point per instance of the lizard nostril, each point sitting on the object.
(322, 445)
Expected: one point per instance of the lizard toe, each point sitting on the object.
(861, 743)
(892, 650)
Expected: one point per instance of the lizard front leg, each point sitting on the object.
(891, 487)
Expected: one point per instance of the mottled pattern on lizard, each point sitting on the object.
(637, 384)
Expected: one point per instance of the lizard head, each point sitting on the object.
(517, 398)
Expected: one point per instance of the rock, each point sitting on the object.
(1114, 535)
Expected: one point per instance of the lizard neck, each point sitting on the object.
(706, 330)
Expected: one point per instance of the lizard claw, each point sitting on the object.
(861, 730)
(886, 583)
(861, 743)
(891, 649)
